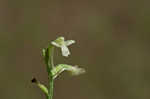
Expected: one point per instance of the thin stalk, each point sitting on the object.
(51, 80)
(51, 88)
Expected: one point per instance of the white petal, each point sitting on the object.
(75, 70)
(69, 42)
(65, 50)
(55, 44)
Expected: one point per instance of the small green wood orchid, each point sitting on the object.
(55, 71)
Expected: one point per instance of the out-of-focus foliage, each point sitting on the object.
(113, 45)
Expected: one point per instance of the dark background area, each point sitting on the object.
(112, 44)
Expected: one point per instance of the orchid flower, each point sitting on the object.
(74, 70)
(60, 42)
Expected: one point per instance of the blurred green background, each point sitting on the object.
(113, 45)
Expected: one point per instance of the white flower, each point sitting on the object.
(74, 70)
(60, 42)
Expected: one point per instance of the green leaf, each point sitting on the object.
(48, 57)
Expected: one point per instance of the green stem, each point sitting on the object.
(51, 87)
(50, 65)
